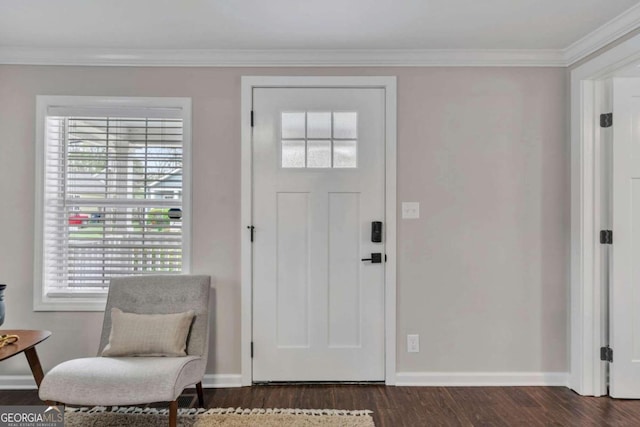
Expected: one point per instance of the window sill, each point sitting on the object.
(71, 300)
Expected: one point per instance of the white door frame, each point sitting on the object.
(388, 83)
(587, 319)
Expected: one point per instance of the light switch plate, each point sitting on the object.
(413, 343)
(410, 210)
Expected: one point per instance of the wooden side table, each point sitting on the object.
(27, 344)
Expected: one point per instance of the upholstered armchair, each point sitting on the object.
(136, 380)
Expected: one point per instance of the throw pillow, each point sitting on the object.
(148, 334)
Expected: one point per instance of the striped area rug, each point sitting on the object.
(228, 417)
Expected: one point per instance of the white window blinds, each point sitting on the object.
(112, 195)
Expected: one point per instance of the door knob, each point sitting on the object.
(376, 258)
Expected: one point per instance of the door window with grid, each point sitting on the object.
(319, 139)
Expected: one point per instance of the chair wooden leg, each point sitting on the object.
(200, 394)
(173, 413)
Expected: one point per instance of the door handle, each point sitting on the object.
(376, 258)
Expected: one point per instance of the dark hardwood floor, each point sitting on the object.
(425, 406)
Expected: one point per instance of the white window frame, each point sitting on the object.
(94, 300)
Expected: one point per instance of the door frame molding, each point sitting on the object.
(248, 83)
(587, 317)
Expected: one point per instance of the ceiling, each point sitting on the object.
(265, 33)
(303, 24)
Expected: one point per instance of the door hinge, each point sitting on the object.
(251, 118)
(606, 237)
(252, 349)
(606, 354)
(606, 120)
(251, 231)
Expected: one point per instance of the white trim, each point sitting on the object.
(222, 380)
(284, 57)
(26, 382)
(596, 106)
(583, 238)
(391, 224)
(187, 180)
(88, 301)
(617, 27)
(17, 382)
(246, 218)
(587, 376)
(246, 102)
(622, 24)
(481, 379)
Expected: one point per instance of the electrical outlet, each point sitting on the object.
(413, 343)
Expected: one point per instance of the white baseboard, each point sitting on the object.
(17, 382)
(426, 379)
(486, 379)
(26, 382)
(222, 380)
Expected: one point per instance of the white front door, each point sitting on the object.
(625, 251)
(319, 182)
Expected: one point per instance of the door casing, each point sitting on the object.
(588, 320)
(248, 83)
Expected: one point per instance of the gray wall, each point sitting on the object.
(482, 275)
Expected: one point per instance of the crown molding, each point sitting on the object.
(601, 37)
(284, 58)
(622, 24)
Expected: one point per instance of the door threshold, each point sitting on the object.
(283, 383)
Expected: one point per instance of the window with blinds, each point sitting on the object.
(113, 195)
